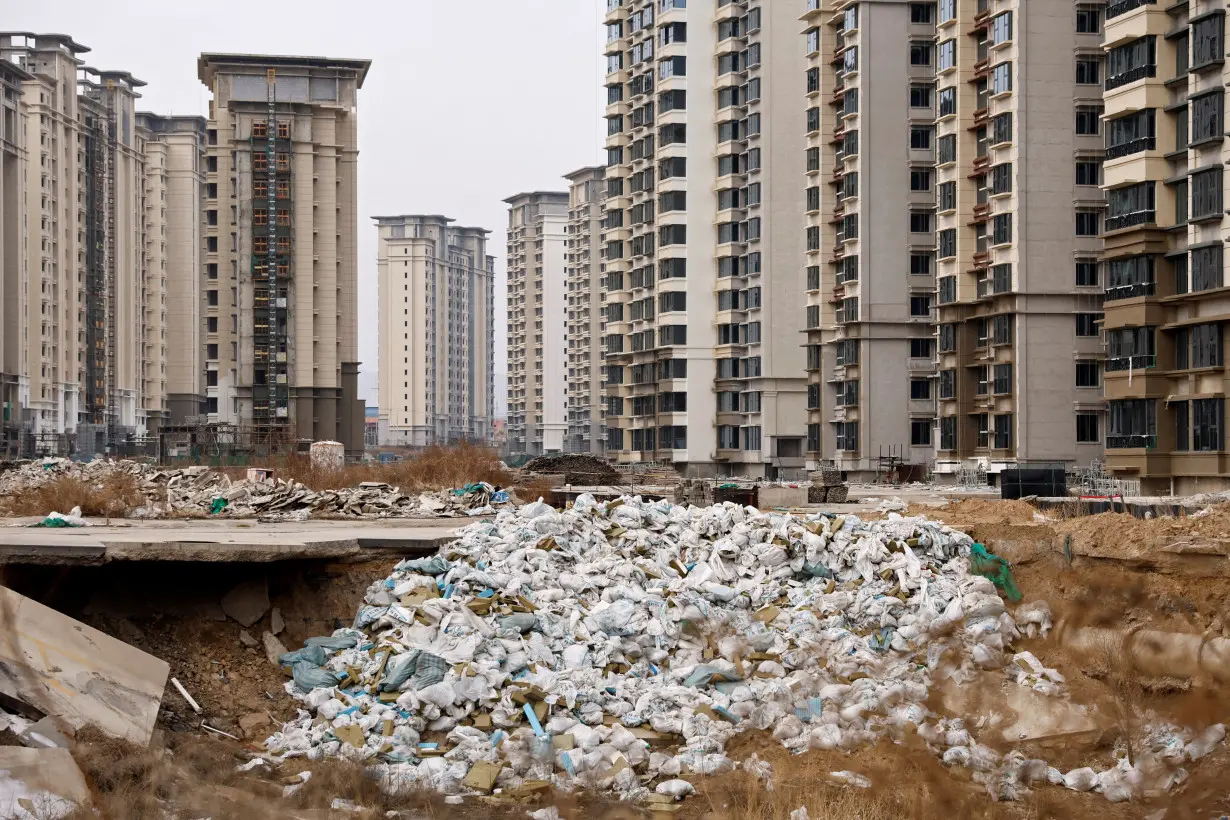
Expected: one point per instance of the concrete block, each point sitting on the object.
(248, 602)
(46, 780)
(769, 497)
(82, 676)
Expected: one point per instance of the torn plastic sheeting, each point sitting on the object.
(705, 675)
(332, 644)
(315, 655)
(420, 669)
(309, 676)
(435, 565)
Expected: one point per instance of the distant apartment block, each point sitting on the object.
(537, 322)
(704, 236)
(281, 278)
(437, 325)
(13, 239)
(871, 242)
(1019, 146)
(583, 263)
(1164, 80)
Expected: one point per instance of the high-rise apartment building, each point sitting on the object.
(13, 230)
(704, 239)
(1164, 82)
(1019, 150)
(583, 263)
(537, 322)
(281, 279)
(437, 326)
(51, 315)
(871, 202)
(174, 200)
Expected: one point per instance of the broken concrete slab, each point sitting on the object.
(247, 602)
(245, 638)
(40, 783)
(276, 622)
(64, 668)
(274, 649)
(44, 734)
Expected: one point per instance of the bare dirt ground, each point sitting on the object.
(195, 774)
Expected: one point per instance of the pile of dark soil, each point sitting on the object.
(576, 468)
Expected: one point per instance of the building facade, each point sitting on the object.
(871, 202)
(703, 238)
(281, 278)
(175, 197)
(437, 324)
(13, 231)
(584, 270)
(1018, 169)
(537, 322)
(1164, 96)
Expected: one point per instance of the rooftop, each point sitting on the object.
(208, 63)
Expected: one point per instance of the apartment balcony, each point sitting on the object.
(1121, 7)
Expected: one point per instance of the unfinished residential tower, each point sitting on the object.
(583, 263)
(437, 325)
(281, 279)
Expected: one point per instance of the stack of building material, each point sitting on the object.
(827, 488)
(696, 491)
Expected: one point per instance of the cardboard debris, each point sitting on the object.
(64, 668)
(482, 776)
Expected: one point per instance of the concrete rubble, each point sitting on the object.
(578, 648)
(205, 491)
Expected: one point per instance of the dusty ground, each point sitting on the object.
(196, 773)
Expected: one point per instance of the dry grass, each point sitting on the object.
(114, 498)
(435, 468)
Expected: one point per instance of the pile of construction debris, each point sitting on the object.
(188, 491)
(827, 488)
(580, 469)
(581, 647)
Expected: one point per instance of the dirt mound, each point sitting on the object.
(1120, 535)
(576, 469)
(980, 511)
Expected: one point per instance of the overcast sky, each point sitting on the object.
(467, 101)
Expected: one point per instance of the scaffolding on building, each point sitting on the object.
(222, 443)
(111, 269)
(1095, 481)
(271, 270)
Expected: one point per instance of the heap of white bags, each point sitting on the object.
(558, 647)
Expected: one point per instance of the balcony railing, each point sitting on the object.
(1122, 363)
(1132, 442)
(1113, 10)
(1131, 147)
(1130, 291)
(1131, 76)
(1114, 223)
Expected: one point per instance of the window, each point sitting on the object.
(947, 195)
(1206, 116)
(1206, 346)
(1129, 348)
(211, 324)
(1001, 128)
(1087, 223)
(1087, 428)
(1087, 324)
(920, 389)
(920, 53)
(1003, 432)
(1180, 202)
(922, 12)
(920, 264)
(1088, 20)
(1129, 277)
(946, 149)
(948, 433)
(1088, 71)
(1088, 121)
(211, 351)
(847, 436)
(1128, 206)
(1001, 28)
(1001, 178)
(1206, 272)
(921, 348)
(1001, 385)
(1207, 40)
(920, 305)
(1206, 194)
(948, 338)
(1001, 232)
(1208, 424)
(1086, 273)
(1088, 173)
(673, 201)
(920, 96)
(211, 298)
(947, 55)
(1132, 133)
(920, 222)
(1182, 426)
(920, 138)
(1131, 62)
(947, 243)
(948, 10)
(1181, 283)
(673, 235)
(920, 433)
(1133, 423)
(1001, 78)
(948, 102)
(948, 384)
(1088, 373)
(920, 179)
